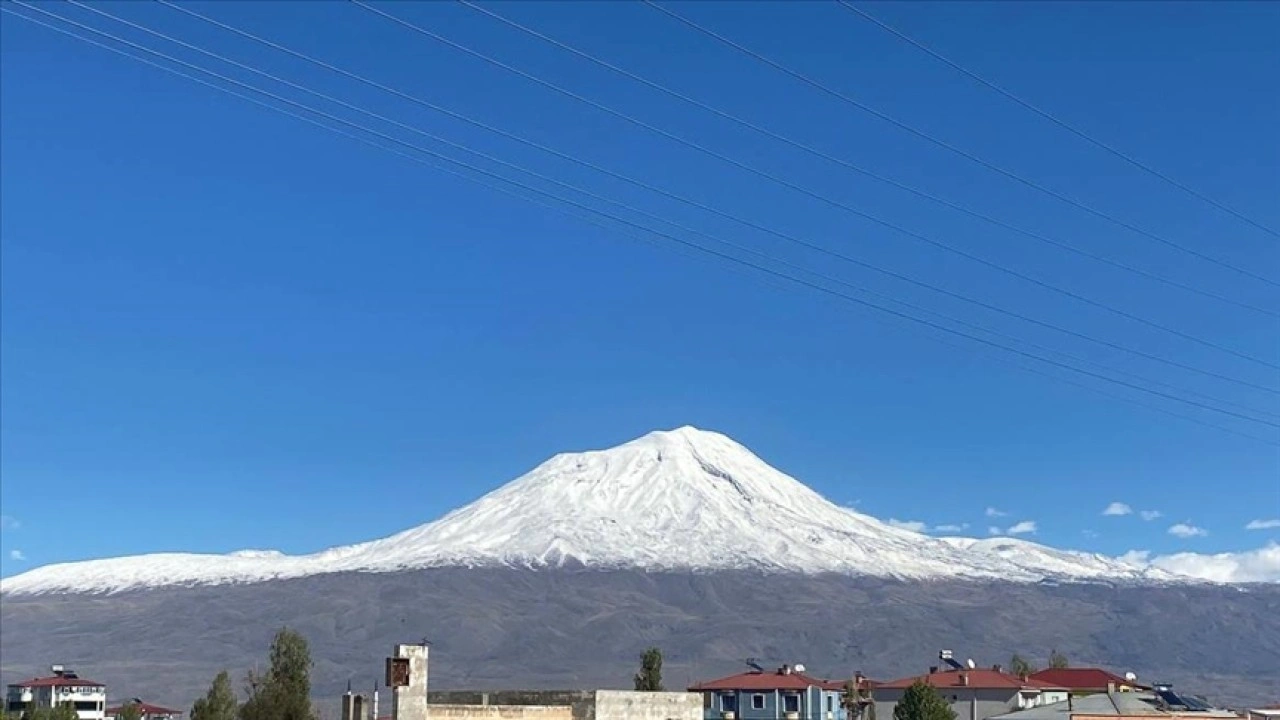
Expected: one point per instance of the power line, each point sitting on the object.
(528, 188)
(857, 168)
(952, 148)
(747, 223)
(818, 196)
(1052, 118)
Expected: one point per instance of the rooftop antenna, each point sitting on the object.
(799, 667)
(971, 663)
(1130, 676)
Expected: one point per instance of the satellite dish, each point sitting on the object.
(971, 663)
(1130, 676)
(798, 667)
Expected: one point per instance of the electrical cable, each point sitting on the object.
(861, 170)
(952, 148)
(799, 241)
(823, 198)
(1053, 118)
(702, 249)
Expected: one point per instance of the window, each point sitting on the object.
(728, 702)
(831, 703)
(790, 703)
(757, 702)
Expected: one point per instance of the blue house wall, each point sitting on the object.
(813, 704)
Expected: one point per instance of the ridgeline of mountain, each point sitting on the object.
(684, 499)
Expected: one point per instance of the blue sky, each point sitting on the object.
(224, 328)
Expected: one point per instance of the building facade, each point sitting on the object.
(63, 687)
(784, 694)
(972, 693)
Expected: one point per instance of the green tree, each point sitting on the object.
(922, 702)
(130, 711)
(1019, 666)
(284, 691)
(649, 679)
(219, 703)
(1057, 660)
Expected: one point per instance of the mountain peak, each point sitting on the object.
(684, 438)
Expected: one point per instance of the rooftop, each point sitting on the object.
(1082, 678)
(973, 678)
(1104, 704)
(781, 679)
(62, 680)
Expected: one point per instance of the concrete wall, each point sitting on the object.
(968, 703)
(514, 712)
(582, 702)
(629, 705)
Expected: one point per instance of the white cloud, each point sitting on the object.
(1263, 524)
(1187, 530)
(1089, 533)
(1118, 508)
(1026, 527)
(1149, 515)
(1136, 558)
(992, 512)
(921, 527)
(17, 555)
(9, 522)
(1261, 565)
(912, 525)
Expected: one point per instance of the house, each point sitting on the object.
(63, 687)
(973, 693)
(1083, 681)
(146, 710)
(1116, 705)
(783, 693)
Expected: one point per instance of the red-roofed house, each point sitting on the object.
(63, 687)
(764, 695)
(1082, 681)
(146, 710)
(973, 693)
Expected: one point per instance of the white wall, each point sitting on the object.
(630, 705)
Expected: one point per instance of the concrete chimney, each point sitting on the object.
(409, 701)
(964, 679)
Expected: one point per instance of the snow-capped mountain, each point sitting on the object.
(683, 499)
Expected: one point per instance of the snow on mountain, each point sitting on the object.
(683, 499)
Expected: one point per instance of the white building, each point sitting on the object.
(63, 687)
